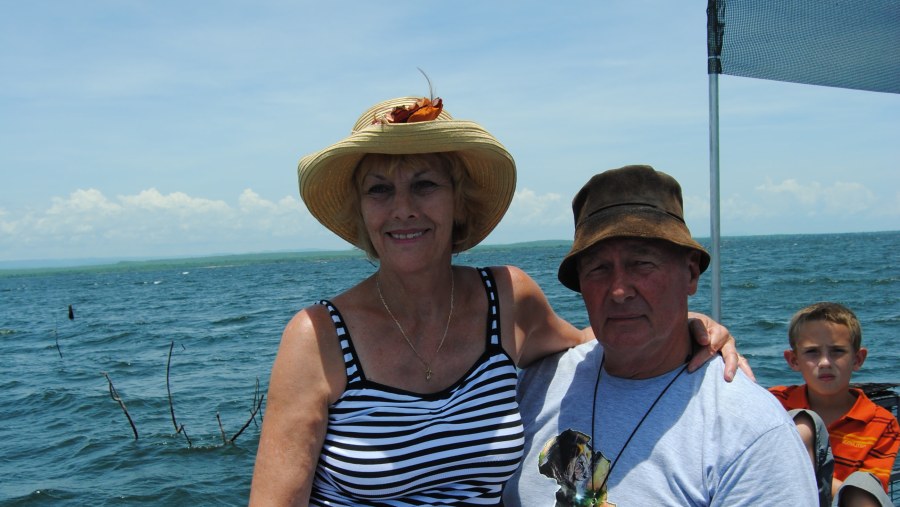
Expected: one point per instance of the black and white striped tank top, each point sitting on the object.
(389, 447)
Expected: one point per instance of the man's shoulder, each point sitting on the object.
(741, 397)
(571, 356)
(558, 370)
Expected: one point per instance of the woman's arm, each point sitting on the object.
(307, 377)
(711, 338)
(531, 329)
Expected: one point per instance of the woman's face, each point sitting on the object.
(408, 213)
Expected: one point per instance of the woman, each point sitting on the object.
(401, 390)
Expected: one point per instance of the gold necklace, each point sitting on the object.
(428, 371)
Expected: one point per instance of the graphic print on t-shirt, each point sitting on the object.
(580, 473)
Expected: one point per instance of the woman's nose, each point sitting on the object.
(404, 205)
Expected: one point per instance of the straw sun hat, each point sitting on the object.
(326, 176)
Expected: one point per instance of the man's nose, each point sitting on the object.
(621, 288)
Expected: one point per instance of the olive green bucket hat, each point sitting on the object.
(634, 201)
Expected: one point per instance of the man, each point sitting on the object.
(621, 422)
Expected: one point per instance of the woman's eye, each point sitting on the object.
(424, 186)
(379, 189)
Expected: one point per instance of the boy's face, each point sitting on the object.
(824, 355)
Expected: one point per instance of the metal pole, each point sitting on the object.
(716, 284)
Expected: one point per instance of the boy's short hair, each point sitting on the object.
(831, 312)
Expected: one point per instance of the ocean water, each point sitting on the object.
(65, 441)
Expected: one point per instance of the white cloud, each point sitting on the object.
(794, 205)
(533, 216)
(86, 223)
(149, 223)
(696, 209)
(177, 203)
(817, 199)
(806, 195)
(530, 208)
(279, 218)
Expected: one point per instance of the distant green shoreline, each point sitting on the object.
(44, 266)
(34, 267)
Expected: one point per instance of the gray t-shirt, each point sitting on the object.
(706, 442)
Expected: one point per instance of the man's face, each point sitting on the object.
(636, 293)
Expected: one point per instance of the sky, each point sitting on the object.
(157, 129)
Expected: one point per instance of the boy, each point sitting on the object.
(826, 347)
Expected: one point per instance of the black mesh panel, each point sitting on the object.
(842, 43)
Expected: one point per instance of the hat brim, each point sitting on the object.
(326, 177)
(642, 222)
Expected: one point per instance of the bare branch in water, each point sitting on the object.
(221, 429)
(169, 390)
(56, 337)
(258, 402)
(115, 396)
(186, 437)
(178, 429)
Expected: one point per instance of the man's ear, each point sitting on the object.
(693, 260)
(791, 359)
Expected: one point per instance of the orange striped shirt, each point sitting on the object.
(865, 438)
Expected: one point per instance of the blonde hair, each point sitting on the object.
(470, 205)
(831, 312)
